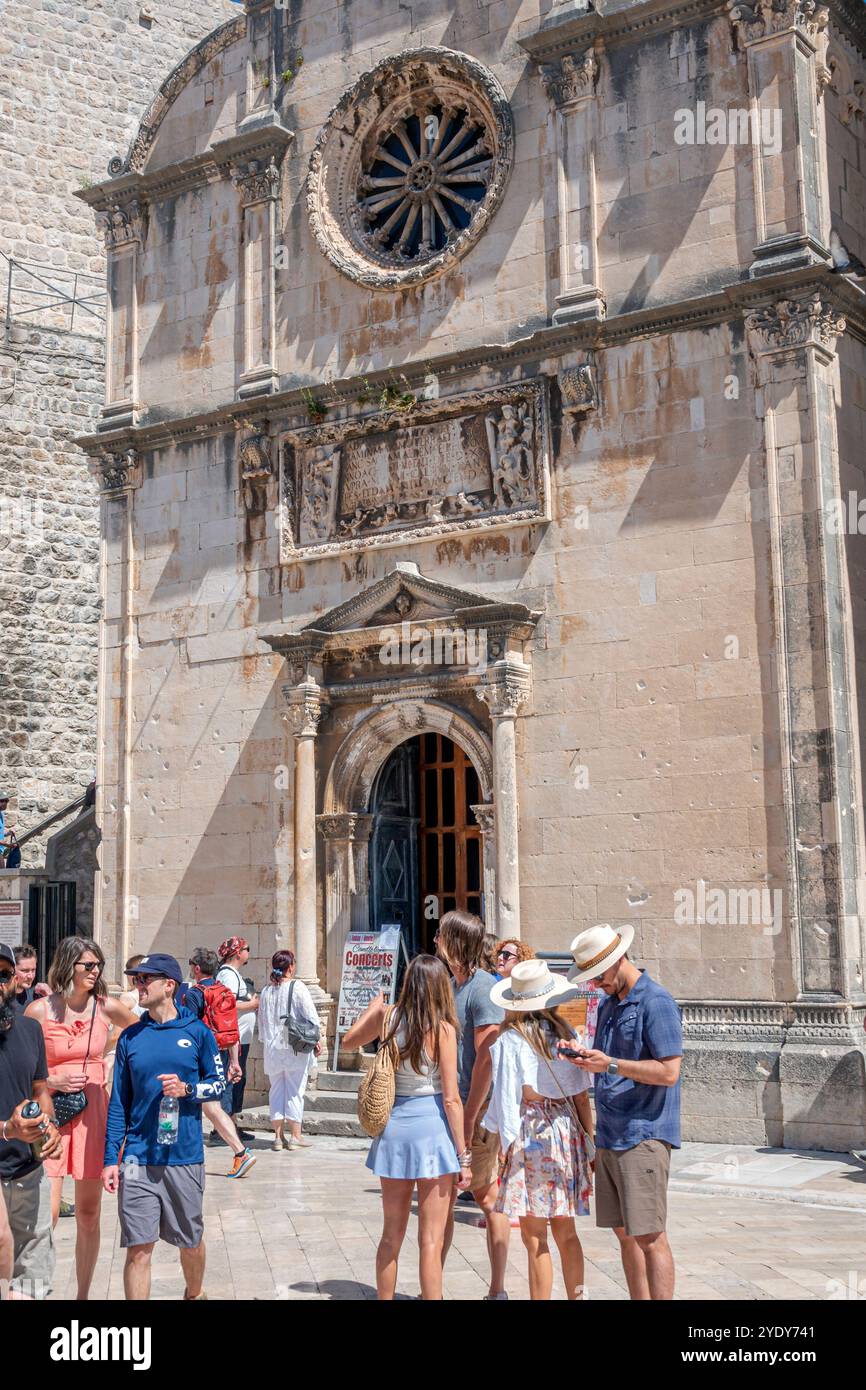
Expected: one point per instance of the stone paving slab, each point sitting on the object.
(304, 1225)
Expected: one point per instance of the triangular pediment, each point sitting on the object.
(404, 595)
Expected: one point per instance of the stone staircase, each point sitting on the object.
(330, 1107)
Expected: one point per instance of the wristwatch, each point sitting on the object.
(189, 1089)
(613, 1068)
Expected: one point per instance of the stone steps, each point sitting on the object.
(330, 1107)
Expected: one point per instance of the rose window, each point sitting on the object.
(425, 182)
(410, 167)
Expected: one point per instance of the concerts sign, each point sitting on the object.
(370, 962)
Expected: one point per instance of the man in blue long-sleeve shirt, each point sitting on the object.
(160, 1186)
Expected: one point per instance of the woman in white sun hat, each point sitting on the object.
(541, 1112)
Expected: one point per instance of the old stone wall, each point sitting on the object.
(74, 80)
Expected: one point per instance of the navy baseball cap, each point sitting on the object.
(159, 964)
(7, 953)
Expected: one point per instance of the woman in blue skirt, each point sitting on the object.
(423, 1141)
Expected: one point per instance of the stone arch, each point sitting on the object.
(346, 822)
(367, 745)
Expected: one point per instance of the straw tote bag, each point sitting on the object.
(377, 1088)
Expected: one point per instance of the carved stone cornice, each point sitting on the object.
(793, 323)
(573, 78)
(761, 19)
(118, 473)
(506, 688)
(306, 704)
(577, 388)
(258, 181)
(124, 225)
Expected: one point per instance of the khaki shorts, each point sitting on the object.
(28, 1204)
(161, 1202)
(485, 1158)
(631, 1187)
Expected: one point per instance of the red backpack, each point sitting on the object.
(221, 1014)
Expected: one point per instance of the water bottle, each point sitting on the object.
(30, 1112)
(169, 1117)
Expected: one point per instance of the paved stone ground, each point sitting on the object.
(745, 1224)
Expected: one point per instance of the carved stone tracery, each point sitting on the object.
(762, 18)
(410, 167)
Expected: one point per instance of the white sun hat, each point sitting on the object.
(531, 985)
(596, 949)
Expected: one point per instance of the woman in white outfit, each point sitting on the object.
(286, 1069)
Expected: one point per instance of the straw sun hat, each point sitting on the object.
(597, 949)
(531, 985)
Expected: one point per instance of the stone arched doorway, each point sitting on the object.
(349, 822)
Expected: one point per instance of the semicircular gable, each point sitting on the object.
(197, 58)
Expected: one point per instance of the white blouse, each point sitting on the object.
(273, 1007)
(515, 1065)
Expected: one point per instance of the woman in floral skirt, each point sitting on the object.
(540, 1109)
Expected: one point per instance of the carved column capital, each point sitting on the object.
(259, 182)
(306, 704)
(793, 323)
(485, 816)
(506, 688)
(572, 79)
(255, 458)
(338, 826)
(754, 20)
(118, 473)
(124, 225)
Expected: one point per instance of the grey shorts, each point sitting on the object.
(28, 1205)
(631, 1187)
(161, 1203)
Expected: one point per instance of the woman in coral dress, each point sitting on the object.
(76, 1019)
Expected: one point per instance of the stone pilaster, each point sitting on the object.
(784, 52)
(258, 181)
(124, 228)
(570, 83)
(338, 832)
(115, 908)
(793, 344)
(505, 689)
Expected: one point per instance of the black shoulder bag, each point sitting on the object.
(68, 1104)
(303, 1035)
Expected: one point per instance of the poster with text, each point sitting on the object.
(370, 962)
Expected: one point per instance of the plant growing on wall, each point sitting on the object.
(316, 409)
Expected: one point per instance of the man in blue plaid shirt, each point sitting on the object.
(636, 1063)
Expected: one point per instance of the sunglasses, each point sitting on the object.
(90, 965)
(7, 974)
(142, 981)
(506, 955)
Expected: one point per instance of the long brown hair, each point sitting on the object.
(538, 1028)
(61, 972)
(461, 940)
(426, 1000)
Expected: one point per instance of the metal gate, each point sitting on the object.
(50, 917)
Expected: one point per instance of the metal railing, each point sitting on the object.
(33, 289)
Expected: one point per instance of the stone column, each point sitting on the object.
(781, 42)
(570, 84)
(504, 691)
(305, 710)
(485, 816)
(115, 907)
(259, 184)
(361, 859)
(124, 229)
(338, 832)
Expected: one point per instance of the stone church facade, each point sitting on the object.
(475, 410)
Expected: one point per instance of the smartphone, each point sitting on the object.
(565, 1049)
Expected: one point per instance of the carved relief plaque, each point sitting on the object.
(464, 462)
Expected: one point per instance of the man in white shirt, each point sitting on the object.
(234, 954)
